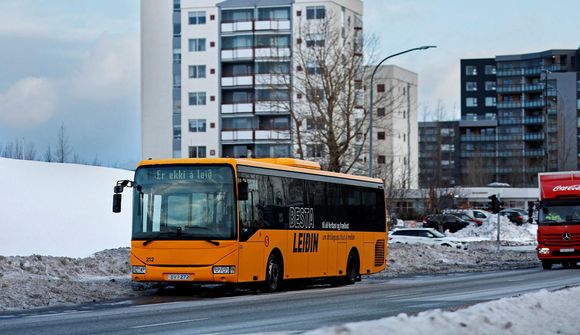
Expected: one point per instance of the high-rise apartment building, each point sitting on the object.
(216, 74)
(439, 161)
(519, 116)
(395, 129)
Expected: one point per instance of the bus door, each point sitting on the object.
(251, 246)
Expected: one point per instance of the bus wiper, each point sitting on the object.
(211, 241)
(158, 235)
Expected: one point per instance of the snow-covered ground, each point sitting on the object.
(60, 209)
(63, 212)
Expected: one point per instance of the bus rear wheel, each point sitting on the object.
(351, 269)
(547, 265)
(274, 273)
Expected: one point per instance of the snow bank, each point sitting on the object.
(60, 209)
(535, 313)
(509, 232)
(39, 281)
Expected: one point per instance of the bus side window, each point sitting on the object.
(248, 214)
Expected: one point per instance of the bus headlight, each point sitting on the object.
(138, 270)
(224, 270)
(544, 251)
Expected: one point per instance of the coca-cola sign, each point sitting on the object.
(562, 188)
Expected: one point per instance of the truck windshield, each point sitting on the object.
(560, 215)
(184, 202)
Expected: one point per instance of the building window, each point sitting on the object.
(490, 85)
(490, 101)
(471, 86)
(317, 123)
(197, 98)
(471, 70)
(314, 40)
(490, 69)
(197, 152)
(197, 125)
(578, 104)
(381, 135)
(471, 102)
(381, 88)
(197, 71)
(314, 150)
(447, 132)
(381, 159)
(447, 147)
(196, 17)
(381, 111)
(313, 69)
(316, 12)
(196, 44)
(578, 86)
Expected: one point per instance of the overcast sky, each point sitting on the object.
(77, 62)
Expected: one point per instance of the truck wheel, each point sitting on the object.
(547, 265)
(274, 273)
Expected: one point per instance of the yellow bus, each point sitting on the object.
(263, 221)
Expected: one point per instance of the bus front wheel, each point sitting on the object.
(274, 273)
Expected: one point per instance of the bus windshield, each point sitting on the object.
(559, 215)
(182, 202)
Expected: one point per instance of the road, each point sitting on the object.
(291, 311)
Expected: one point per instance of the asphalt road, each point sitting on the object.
(290, 311)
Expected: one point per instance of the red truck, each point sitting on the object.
(559, 219)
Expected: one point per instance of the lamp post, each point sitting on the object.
(546, 122)
(371, 103)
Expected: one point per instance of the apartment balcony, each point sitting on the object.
(533, 136)
(238, 81)
(517, 137)
(520, 88)
(535, 153)
(272, 52)
(518, 104)
(237, 54)
(528, 71)
(238, 135)
(534, 120)
(238, 108)
(272, 107)
(478, 138)
(255, 135)
(260, 25)
(269, 79)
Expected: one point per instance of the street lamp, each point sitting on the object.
(546, 123)
(371, 103)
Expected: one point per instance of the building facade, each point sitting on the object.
(439, 154)
(216, 74)
(395, 126)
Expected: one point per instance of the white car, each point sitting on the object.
(424, 235)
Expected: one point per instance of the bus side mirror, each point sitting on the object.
(117, 202)
(243, 191)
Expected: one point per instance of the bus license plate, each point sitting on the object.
(178, 277)
(567, 250)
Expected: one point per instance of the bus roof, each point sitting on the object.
(286, 164)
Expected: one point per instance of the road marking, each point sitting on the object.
(167, 323)
(55, 314)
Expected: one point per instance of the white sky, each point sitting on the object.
(78, 65)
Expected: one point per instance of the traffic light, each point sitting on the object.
(494, 203)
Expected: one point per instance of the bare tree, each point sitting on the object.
(30, 152)
(325, 96)
(63, 150)
(48, 156)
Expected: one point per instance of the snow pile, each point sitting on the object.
(61, 209)
(535, 313)
(509, 232)
(36, 281)
(412, 259)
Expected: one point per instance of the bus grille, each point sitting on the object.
(380, 253)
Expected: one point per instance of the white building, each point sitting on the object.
(209, 70)
(395, 129)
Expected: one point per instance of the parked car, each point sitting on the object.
(443, 222)
(514, 216)
(479, 216)
(424, 235)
